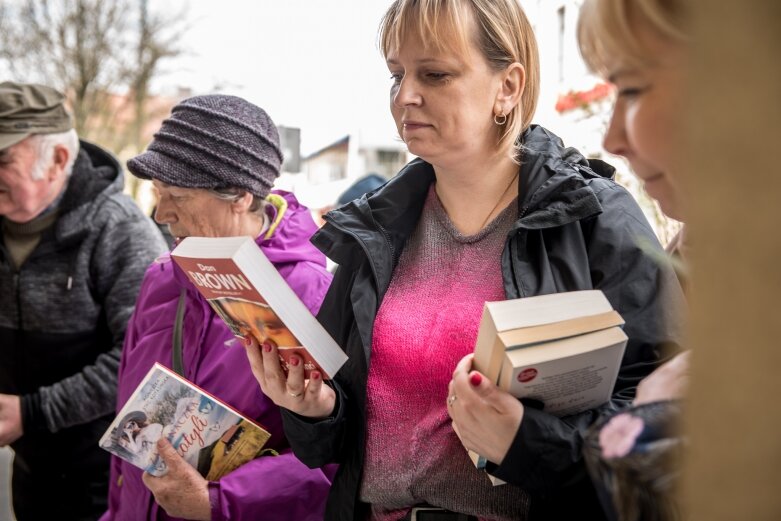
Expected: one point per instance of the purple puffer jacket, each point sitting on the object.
(278, 487)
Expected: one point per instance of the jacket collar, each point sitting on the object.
(553, 187)
(553, 190)
(96, 176)
(377, 225)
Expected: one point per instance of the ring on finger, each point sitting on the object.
(451, 400)
(295, 395)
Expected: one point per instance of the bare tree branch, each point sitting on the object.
(92, 50)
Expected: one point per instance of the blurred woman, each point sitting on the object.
(213, 164)
(641, 47)
(494, 208)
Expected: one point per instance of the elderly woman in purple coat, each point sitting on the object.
(213, 164)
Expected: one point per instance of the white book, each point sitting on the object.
(542, 348)
(566, 376)
(246, 290)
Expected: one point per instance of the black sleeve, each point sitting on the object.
(625, 263)
(316, 442)
(319, 442)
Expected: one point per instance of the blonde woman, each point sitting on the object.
(495, 208)
(641, 47)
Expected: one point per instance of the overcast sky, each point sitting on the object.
(312, 64)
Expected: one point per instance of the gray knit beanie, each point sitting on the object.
(213, 141)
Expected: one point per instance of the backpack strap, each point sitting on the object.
(176, 341)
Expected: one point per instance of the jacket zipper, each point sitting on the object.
(18, 301)
(515, 231)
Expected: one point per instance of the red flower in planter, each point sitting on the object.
(582, 98)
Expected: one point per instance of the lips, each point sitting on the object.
(414, 125)
(652, 179)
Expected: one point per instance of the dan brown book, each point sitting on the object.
(248, 293)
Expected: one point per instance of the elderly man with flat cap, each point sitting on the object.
(73, 251)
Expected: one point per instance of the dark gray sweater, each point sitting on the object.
(63, 312)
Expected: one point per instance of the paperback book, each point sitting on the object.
(248, 293)
(562, 351)
(208, 434)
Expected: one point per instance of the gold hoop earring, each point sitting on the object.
(500, 119)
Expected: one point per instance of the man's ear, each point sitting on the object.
(511, 88)
(59, 160)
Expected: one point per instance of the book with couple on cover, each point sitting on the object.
(208, 434)
(248, 293)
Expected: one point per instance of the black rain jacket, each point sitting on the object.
(576, 230)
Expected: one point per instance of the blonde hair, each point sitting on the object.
(504, 36)
(607, 31)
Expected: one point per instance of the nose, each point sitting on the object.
(164, 214)
(406, 93)
(615, 140)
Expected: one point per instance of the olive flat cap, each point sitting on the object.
(27, 108)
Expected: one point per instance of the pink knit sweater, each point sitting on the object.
(427, 322)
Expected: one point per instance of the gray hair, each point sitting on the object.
(44, 145)
(230, 193)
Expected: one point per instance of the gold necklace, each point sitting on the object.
(498, 201)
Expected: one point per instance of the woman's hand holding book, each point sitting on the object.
(309, 398)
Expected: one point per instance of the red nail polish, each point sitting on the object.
(247, 341)
(267, 347)
(475, 379)
(314, 375)
(294, 361)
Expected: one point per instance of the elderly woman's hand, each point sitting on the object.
(485, 418)
(182, 491)
(668, 382)
(308, 398)
(10, 419)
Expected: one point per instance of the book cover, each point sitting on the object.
(250, 295)
(566, 376)
(528, 320)
(208, 434)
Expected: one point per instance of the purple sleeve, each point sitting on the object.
(270, 487)
(309, 281)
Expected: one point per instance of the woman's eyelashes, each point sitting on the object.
(630, 92)
(432, 77)
(436, 76)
